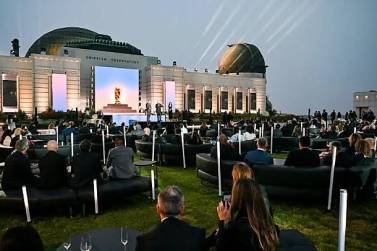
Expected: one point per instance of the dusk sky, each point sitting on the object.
(319, 52)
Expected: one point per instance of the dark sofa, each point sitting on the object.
(283, 181)
(171, 154)
(64, 198)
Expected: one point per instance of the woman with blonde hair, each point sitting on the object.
(352, 139)
(241, 170)
(362, 153)
(17, 134)
(245, 223)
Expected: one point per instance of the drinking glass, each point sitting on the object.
(124, 236)
(86, 243)
(67, 244)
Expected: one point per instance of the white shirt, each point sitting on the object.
(184, 130)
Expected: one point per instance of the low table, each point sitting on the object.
(106, 239)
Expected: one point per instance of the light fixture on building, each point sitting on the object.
(366, 97)
(174, 63)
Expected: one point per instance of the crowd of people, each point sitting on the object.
(55, 171)
(245, 223)
(245, 217)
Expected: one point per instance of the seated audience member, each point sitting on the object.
(67, 131)
(227, 151)
(52, 166)
(362, 153)
(17, 134)
(234, 138)
(6, 138)
(371, 142)
(195, 139)
(249, 134)
(241, 171)
(259, 156)
(343, 159)
(287, 129)
(277, 132)
(352, 139)
(84, 129)
(32, 129)
(332, 134)
(296, 132)
(147, 135)
(172, 233)
(86, 166)
(17, 170)
(304, 156)
(203, 129)
(21, 238)
(120, 161)
(342, 131)
(137, 127)
(245, 223)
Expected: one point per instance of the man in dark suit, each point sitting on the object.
(304, 156)
(17, 170)
(120, 161)
(171, 233)
(259, 156)
(86, 166)
(53, 171)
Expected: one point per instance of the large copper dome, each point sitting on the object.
(56, 39)
(242, 58)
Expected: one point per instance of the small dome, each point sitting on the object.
(242, 58)
(56, 39)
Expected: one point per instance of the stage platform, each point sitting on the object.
(119, 118)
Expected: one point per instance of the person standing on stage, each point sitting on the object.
(170, 109)
(148, 110)
(158, 112)
(333, 116)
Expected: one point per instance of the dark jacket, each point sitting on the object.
(227, 152)
(53, 171)
(17, 172)
(360, 160)
(14, 140)
(86, 166)
(259, 157)
(120, 161)
(343, 159)
(172, 235)
(236, 236)
(302, 157)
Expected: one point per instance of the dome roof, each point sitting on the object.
(55, 39)
(242, 58)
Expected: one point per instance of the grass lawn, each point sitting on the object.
(138, 212)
